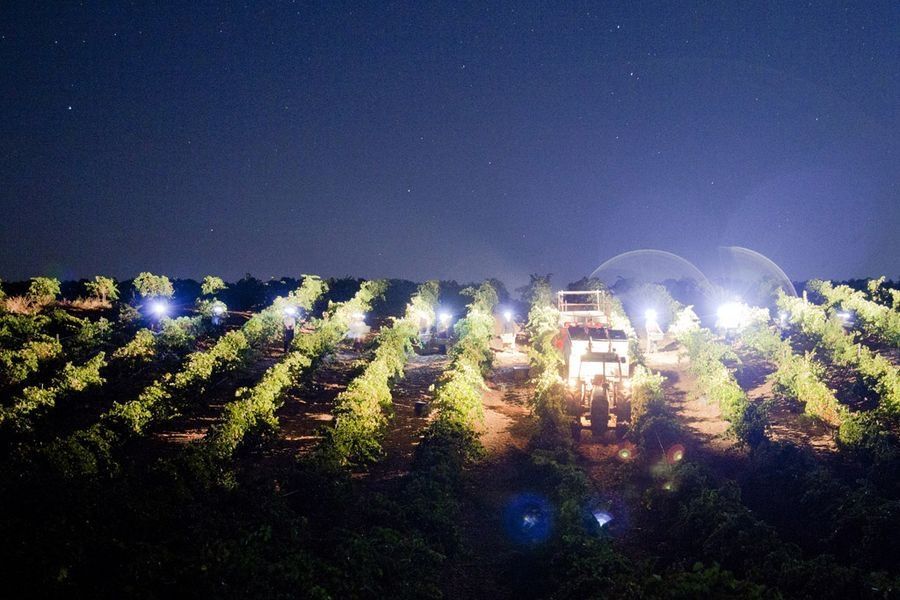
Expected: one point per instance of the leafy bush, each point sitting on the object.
(646, 392)
(17, 365)
(103, 288)
(70, 379)
(877, 320)
(149, 285)
(43, 290)
(211, 284)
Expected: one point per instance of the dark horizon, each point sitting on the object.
(446, 141)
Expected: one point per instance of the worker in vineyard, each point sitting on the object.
(290, 323)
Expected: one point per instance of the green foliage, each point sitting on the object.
(797, 376)
(310, 291)
(877, 320)
(800, 377)
(657, 296)
(70, 379)
(646, 392)
(877, 373)
(43, 290)
(538, 291)
(458, 393)
(254, 409)
(253, 412)
(103, 288)
(231, 351)
(139, 349)
(717, 384)
(149, 285)
(17, 365)
(684, 322)
(212, 284)
(363, 409)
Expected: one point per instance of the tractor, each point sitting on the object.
(596, 362)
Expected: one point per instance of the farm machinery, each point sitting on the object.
(597, 364)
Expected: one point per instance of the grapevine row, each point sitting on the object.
(363, 408)
(715, 380)
(797, 376)
(877, 320)
(876, 371)
(255, 407)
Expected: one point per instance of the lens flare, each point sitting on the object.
(752, 275)
(649, 266)
(602, 517)
(675, 454)
(528, 519)
(626, 451)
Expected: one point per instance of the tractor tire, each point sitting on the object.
(573, 404)
(599, 412)
(623, 411)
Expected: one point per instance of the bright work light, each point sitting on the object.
(650, 315)
(159, 308)
(729, 315)
(508, 315)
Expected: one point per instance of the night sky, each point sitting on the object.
(451, 140)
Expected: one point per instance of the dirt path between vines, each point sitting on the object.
(197, 420)
(309, 408)
(492, 484)
(406, 427)
(703, 418)
(787, 421)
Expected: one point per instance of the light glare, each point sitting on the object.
(730, 315)
(159, 308)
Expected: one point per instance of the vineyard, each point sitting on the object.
(341, 438)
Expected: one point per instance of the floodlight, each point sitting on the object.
(159, 308)
(650, 315)
(845, 316)
(290, 311)
(508, 315)
(729, 315)
(445, 317)
(218, 309)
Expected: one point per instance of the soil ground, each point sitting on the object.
(492, 484)
(420, 374)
